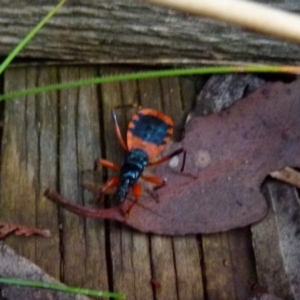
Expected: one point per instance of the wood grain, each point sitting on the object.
(29, 164)
(130, 258)
(18, 165)
(51, 139)
(135, 32)
(84, 257)
(276, 243)
(47, 214)
(163, 267)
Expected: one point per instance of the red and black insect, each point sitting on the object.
(148, 132)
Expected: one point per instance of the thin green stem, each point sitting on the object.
(28, 37)
(151, 74)
(61, 288)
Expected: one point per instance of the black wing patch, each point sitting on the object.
(150, 129)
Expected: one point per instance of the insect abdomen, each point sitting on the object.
(135, 162)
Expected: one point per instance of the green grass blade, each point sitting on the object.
(61, 288)
(28, 37)
(151, 74)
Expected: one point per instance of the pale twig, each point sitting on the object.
(287, 175)
(253, 16)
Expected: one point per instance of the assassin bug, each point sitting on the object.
(148, 132)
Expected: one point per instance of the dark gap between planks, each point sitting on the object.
(2, 107)
(104, 179)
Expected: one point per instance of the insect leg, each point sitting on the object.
(168, 157)
(105, 163)
(110, 183)
(137, 192)
(160, 183)
(118, 131)
(154, 179)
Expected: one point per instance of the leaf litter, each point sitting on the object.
(229, 154)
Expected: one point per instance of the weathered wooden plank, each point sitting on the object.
(229, 265)
(188, 88)
(141, 260)
(48, 254)
(218, 267)
(186, 250)
(276, 242)
(131, 269)
(84, 260)
(287, 206)
(172, 103)
(29, 163)
(73, 227)
(133, 31)
(163, 267)
(111, 96)
(88, 147)
(189, 279)
(162, 258)
(243, 263)
(17, 174)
